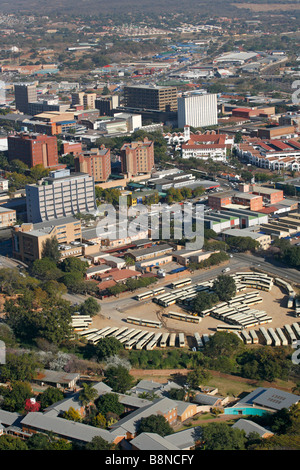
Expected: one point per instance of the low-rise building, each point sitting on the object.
(28, 239)
(7, 217)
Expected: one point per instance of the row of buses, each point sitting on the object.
(140, 322)
(184, 294)
(253, 280)
(150, 293)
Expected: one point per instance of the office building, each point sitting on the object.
(24, 94)
(137, 157)
(158, 98)
(33, 149)
(197, 110)
(106, 104)
(61, 194)
(28, 239)
(95, 162)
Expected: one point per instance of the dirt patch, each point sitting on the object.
(268, 7)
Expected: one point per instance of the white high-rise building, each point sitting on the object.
(197, 110)
(61, 194)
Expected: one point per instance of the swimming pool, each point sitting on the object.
(245, 411)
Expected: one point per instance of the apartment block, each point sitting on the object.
(33, 149)
(61, 194)
(95, 162)
(87, 100)
(28, 239)
(137, 157)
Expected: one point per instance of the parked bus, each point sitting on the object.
(153, 343)
(183, 317)
(265, 335)
(198, 341)
(282, 337)
(164, 339)
(181, 283)
(253, 336)
(291, 335)
(181, 340)
(275, 340)
(144, 340)
(158, 291)
(145, 295)
(172, 341)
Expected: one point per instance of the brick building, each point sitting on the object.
(95, 162)
(33, 149)
(137, 157)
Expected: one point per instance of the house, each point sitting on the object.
(151, 387)
(270, 399)
(56, 379)
(249, 426)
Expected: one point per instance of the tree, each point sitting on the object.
(90, 307)
(109, 403)
(156, 424)
(72, 264)
(204, 301)
(118, 378)
(98, 443)
(15, 396)
(197, 377)
(223, 344)
(224, 287)
(72, 415)
(87, 394)
(19, 367)
(107, 347)
(220, 436)
(49, 396)
(50, 249)
(8, 442)
(46, 269)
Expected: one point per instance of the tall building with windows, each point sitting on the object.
(137, 157)
(96, 162)
(61, 194)
(33, 149)
(197, 110)
(157, 98)
(25, 93)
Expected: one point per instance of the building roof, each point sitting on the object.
(53, 376)
(249, 426)
(130, 423)
(152, 441)
(186, 438)
(270, 398)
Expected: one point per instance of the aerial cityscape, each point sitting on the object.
(150, 228)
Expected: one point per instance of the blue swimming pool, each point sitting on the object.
(245, 411)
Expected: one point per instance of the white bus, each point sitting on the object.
(181, 340)
(181, 283)
(164, 339)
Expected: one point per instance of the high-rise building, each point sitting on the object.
(95, 162)
(24, 94)
(61, 194)
(87, 100)
(33, 149)
(137, 157)
(158, 98)
(197, 110)
(106, 104)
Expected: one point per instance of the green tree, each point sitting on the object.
(87, 394)
(220, 436)
(98, 443)
(224, 287)
(197, 377)
(118, 378)
(156, 424)
(109, 403)
(19, 367)
(49, 396)
(14, 397)
(8, 442)
(107, 347)
(50, 249)
(72, 415)
(90, 307)
(46, 269)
